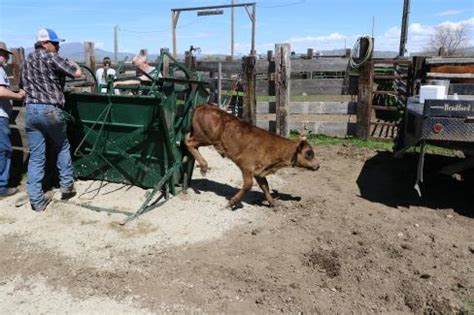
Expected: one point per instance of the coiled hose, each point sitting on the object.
(356, 62)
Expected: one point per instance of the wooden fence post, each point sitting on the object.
(364, 99)
(282, 88)
(166, 62)
(249, 113)
(89, 55)
(18, 58)
(271, 73)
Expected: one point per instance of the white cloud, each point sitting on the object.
(418, 35)
(317, 39)
(450, 12)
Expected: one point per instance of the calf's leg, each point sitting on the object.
(246, 186)
(263, 183)
(192, 146)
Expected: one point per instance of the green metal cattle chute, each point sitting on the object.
(137, 138)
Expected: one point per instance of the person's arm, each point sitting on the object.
(68, 67)
(78, 72)
(6, 94)
(126, 82)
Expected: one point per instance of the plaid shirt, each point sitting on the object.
(44, 75)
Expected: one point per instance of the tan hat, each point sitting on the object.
(3, 47)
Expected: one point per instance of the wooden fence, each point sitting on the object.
(347, 105)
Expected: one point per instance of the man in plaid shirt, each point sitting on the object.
(44, 75)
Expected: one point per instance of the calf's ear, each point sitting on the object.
(301, 143)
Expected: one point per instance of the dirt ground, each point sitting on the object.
(352, 237)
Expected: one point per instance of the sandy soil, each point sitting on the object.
(350, 238)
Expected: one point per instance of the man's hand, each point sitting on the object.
(21, 93)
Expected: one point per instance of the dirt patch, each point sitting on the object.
(327, 262)
(352, 237)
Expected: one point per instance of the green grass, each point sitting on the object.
(376, 145)
(469, 306)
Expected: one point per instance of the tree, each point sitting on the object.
(449, 40)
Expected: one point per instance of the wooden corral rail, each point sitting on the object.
(328, 118)
(311, 75)
(314, 69)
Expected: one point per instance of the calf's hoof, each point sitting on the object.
(203, 170)
(233, 205)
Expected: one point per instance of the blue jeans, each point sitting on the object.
(46, 122)
(5, 153)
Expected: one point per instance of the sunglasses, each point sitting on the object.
(55, 44)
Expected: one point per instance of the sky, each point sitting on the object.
(317, 24)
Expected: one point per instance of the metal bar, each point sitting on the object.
(94, 208)
(219, 83)
(174, 23)
(421, 163)
(114, 124)
(214, 7)
(145, 204)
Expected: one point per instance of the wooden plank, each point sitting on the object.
(378, 62)
(316, 87)
(323, 108)
(308, 87)
(266, 107)
(297, 65)
(450, 75)
(389, 77)
(366, 81)
(336, 108)
(449, 61)
(320, 65)
(328, 128)
(250, 100)
(282, 87)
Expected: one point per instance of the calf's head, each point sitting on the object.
(304, 156)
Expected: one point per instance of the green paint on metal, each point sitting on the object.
(137, 139)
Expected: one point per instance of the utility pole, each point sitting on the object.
(115, 43)
(232, 32)
(404, 33)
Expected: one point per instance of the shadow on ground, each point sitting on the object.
(252, 197)
(390, 181)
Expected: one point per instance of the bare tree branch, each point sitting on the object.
(451, 40)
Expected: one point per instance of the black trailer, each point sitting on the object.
(446, 123)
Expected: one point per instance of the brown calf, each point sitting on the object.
(255, 151)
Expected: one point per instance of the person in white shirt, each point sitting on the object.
(6, 96)
(103, 73)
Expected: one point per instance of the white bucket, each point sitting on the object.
(437, 92)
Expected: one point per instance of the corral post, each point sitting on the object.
(165, 62)
(271, 73)
(18, 57)
(364, 100)
(416, 74)
(282, 88)
(190, 60)
(89, 55)
(250, 101)
(89, 58)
